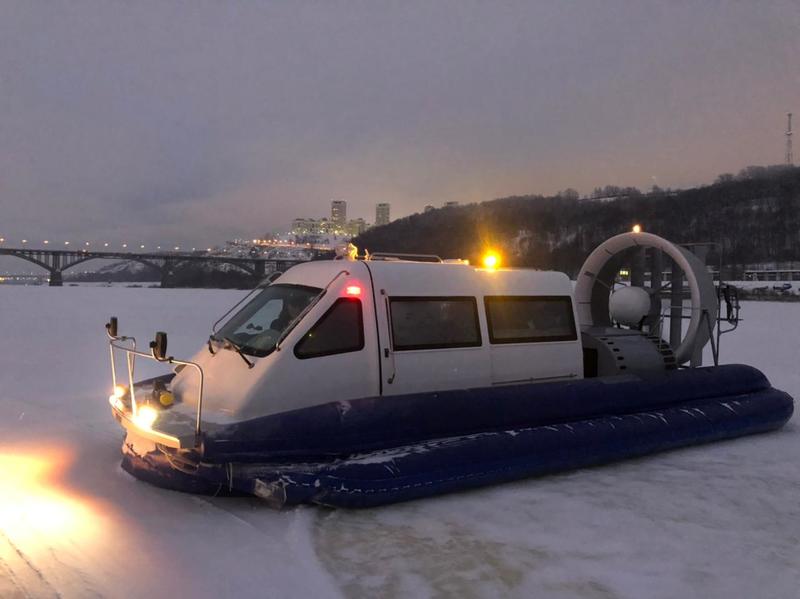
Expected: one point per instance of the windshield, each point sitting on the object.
(256, 328)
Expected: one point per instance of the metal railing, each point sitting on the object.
(116, 342)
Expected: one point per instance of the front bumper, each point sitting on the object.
(171, 428)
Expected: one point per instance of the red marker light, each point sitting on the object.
(353, 290)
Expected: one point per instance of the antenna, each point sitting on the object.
(789, 159)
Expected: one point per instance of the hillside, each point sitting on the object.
(755, 215)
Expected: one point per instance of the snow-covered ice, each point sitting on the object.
(720, 520)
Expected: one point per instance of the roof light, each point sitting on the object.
(353, 290)
(637, 228)
(491, 260)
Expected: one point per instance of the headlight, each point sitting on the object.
(145, 417)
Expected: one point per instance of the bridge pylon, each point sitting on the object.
(167, 272)
(56, 278)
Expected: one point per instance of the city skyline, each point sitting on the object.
(161, 123)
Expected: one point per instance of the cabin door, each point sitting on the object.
(429, 343)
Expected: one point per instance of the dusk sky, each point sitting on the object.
(194, 122)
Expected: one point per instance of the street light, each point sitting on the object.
(46, 242)
(66, 243)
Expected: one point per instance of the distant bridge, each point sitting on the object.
(57, 261)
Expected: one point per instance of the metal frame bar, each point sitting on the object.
(132, 352)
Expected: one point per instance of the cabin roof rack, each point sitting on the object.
(406, 257)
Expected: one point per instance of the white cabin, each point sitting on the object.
(349, 329)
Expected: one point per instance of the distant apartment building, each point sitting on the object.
(339, 212)
(382, 214)
(302, 226)
(310, 226)
(356, 227)
(306, 227)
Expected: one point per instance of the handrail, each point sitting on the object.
(132, 352)
(409, 257)
(129, 360)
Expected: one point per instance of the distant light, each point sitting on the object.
(141, 247)
(46, 242)
(24, 241)
(105, 244)
(624, 272)
(208, 249)
(87, 243)
(637, 228)
(66, 243)
(124, 245)
(491, 260)
(177, 247)
(353, 290)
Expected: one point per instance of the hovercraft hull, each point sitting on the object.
(375, 451)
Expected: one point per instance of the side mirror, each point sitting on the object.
(112, 327)
(159, 346)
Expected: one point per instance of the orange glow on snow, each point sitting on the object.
(35, 511)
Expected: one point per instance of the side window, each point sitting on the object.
(526, 319)
(434, 322)
(340, 330)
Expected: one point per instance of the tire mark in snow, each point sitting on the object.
(36, 580)
(82, 576)
(208, 503)
(298, 535)
(7, 573)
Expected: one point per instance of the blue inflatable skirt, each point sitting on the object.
(375, 451)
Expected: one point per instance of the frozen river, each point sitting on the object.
(714, 521)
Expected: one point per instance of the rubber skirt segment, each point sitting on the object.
(369, 424)
(463, 463)
(440, 466)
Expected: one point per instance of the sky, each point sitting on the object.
(172, 122)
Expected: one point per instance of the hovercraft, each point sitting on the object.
(361, 382)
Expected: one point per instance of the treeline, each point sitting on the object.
(184, 275)
(754, 215)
